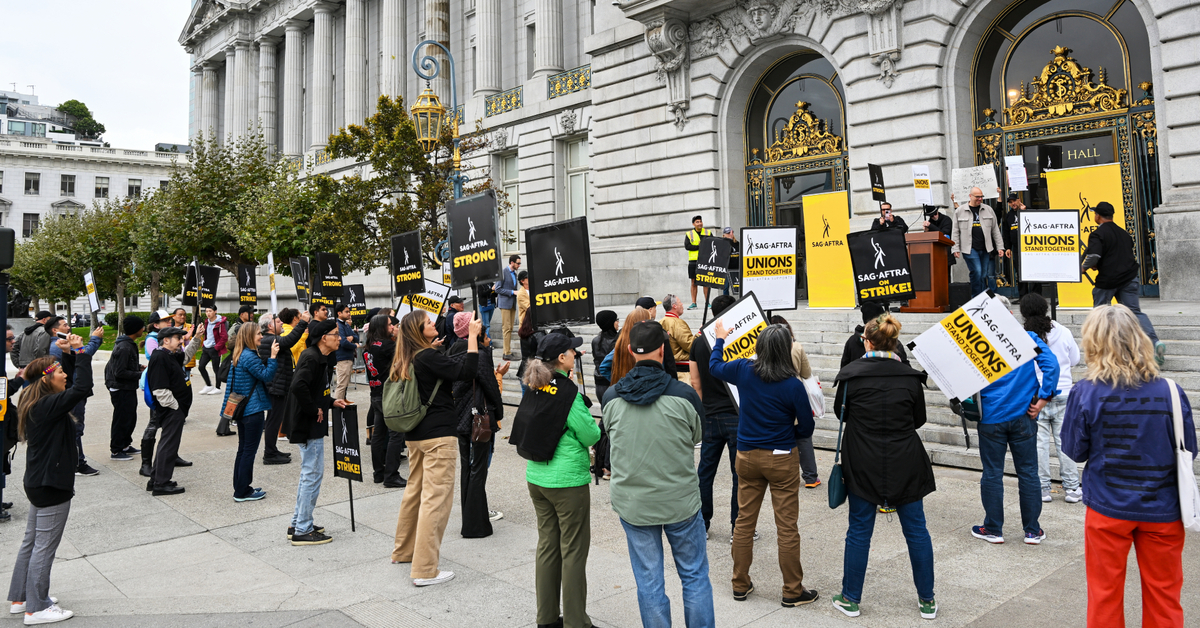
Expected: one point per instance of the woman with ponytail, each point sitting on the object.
(45, 423)
(1035, 310)
(882, 402)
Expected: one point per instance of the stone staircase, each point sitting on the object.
(824, 333)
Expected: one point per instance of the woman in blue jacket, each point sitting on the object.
(248, 376)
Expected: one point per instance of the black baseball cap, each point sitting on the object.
(1104, 208)
(42, 314)
(645, 337)
(646, 302)
(553, 345)
(170, 331)
(246, 309)
(454, 298)
(1012, 196)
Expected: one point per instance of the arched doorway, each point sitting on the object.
(1056, 85)
(794, 141)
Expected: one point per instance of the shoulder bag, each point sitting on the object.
(481, 422)
(837, 482)
(1189, 495)
(816, 398)
(235, 405)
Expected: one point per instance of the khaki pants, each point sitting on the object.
(564, 538)
(425, 507)
(758, 470)
(508, 317)
(344, 369)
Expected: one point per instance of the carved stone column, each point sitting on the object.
(356, 61)
(267, 92)
(548, 37)
(667, 38)
(208, 101)
(437, 28)
(227, 113)
(241, 91)
(395, 56)
(293, 88)
(195, 120)
(322, 88)
(488, 76)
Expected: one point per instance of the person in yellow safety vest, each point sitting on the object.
(691, 242)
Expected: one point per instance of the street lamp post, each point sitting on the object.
(429, 113)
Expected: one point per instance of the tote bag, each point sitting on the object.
(1189, 494)
(816, 398)
(837, 482)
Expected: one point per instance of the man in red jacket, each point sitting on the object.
(216, 333)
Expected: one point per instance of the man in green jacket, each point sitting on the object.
(654, 422)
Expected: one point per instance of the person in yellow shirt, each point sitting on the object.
(691, 243)
(522, 295)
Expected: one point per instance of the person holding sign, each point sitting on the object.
(290, 329)
(882, 402)
(1011, 228)
(121, 377)
(172, 391)
(1110, 252)
(387, 447)
(691, 243)
(62, 326)
(887, 220)
(720, 424)
(976, 235)
(774, 413)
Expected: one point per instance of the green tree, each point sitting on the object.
(153, 264)
(45, 265)
(105, 243)
(85, 125)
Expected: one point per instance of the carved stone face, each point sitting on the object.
(761, 16)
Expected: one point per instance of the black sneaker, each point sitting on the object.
(120, 455)
(808, 597)
(180, 462)
(741, 596)
(4, 516)
(312, 538)
(133, 451)
(5, 505)
(316, 528)
(85, 469)
(276, 460)
(167, 490)
(150, 484)
(397, 483)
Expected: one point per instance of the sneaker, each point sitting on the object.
(813, 484)
(316, 528)
(731, 537)
(1046, 497)
(1160, 352)
(312, 538)
(980, 532)
(442, 577)
(692, 306)
(215, 391)
(1035, 538)
(85, 469)
(19, 607)
(741, 596)
(282, 439)
(1074, 497)
(276, 460)
(928, 609)
(120, 456)
(698, 445)
(204, 391)
(848, 608)
(808, 597)
(252, 497)
(133, 451)
(495, 515)
(50, 615)
(5, 517)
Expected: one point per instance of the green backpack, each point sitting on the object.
(402, 407)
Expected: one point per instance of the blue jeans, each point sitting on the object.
(1050, 429)
(1126, 295)
(981, 268)
(689, 547)
(858, 547)
(720, 432)
(1019, 435)
(485, 314)
(249, 432)
(312, 471)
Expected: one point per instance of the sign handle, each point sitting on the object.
(704, 317)
(350, 486)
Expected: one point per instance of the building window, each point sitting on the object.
(578, 178)
(37, 130)
(29, 225)
(131, 302)
(67, 185)
(135, 188)
(16, 128)
(101, 187)
(530, 50)
(33, 183)
(472, 69)
(510, 180)
(1, 181)
(164, 184)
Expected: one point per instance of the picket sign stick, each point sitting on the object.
(350, 486)
(704, 317)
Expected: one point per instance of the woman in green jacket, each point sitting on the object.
(559, 486)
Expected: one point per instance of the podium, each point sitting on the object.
(928, 257)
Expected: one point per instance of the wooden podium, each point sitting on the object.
(928, 257)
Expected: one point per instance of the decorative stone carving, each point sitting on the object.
(568, 119)
(1063, 89)
(667, 39)
(887, 67)
(500, 139)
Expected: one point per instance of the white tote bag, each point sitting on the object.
(816, 398)
(1189, 494)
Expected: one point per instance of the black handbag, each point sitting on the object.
(837, 481)
(481, 422)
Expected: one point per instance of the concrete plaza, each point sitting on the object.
(200, 559)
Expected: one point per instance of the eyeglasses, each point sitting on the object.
(976, 196)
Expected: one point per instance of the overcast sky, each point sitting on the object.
(120, 57)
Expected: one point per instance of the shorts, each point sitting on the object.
(692, 270)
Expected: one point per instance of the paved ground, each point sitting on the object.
(200, 559)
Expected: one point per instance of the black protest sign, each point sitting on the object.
(209, 275)
(331, 274)
(299, 267)
(474, 240)
(190, 281)
(881, 270)
(356, 297)
(560, 273)
(247, 285)
(712, 264)
(407, 276)
(316, 286)
(877, 189)
(347, 458)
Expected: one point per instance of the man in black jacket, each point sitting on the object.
(1110, 252)
(307, 424)
(121, 377)
(272, 328)
(854, 348)
(887, 221)
(1010, 231)
(172, 391)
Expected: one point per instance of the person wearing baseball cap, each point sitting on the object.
(648, 303)
(159, 320)
(653, 422)
(172, 391)
(1110, 252)
(691, 243)
(1010, 230)
(121, 377)
(445, 322)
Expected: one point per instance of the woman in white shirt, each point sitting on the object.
(1035, 310)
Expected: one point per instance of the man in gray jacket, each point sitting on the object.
(976, 235)
(506, 300)
(32, 343)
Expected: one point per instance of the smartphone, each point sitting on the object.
(60, 335)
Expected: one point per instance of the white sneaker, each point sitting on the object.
(1074, 497)
(495, 515)
(204, 391)
(1046, 497)
(443, 576)
(215, 391)
(19, 607)
(50, 615)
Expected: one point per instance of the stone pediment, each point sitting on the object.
(67, 206)
(202, 13)
(4, 204)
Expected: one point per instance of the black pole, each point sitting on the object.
(704, 318)
(350, 486)
(4, 323)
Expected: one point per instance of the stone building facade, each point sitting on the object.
(642, 113)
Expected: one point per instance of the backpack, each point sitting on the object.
(402, 407)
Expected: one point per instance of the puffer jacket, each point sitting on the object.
(486, 391)
(249, 377)
(282, 381)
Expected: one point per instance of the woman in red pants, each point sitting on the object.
(1119, 420)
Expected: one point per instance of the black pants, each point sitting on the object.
(125, 405)
(273, 424)
(209, 354)
(168, 446)
(152, 426)
(473, 458)
(80, 412)
(386, 445)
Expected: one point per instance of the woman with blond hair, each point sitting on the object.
(433, 443)
(248, 376)
(1119, 420)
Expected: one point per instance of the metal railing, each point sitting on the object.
(569, 82)
(504, 102)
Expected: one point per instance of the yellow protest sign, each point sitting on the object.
(830, 275)
(1082, 189)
